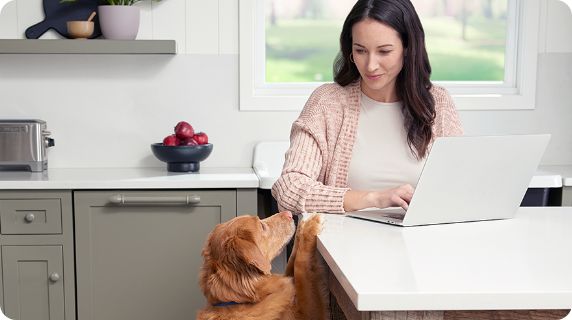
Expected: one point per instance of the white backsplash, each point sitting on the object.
(105, 110)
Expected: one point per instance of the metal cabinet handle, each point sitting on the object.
(120, 199)
(30, 217)
(54, 277)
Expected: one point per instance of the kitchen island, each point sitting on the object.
(452, 271)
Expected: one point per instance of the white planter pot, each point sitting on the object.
(119, 22)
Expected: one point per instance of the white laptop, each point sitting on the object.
(469, 179)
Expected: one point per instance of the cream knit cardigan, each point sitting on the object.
(315, 173)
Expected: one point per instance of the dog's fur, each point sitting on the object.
(236, 268)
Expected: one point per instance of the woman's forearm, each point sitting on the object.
(356, 200)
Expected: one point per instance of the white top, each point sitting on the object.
(381, 157)
(129, 178)
(520, 263)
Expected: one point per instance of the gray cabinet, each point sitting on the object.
(139, 252)
(37, 261)
(567, 196)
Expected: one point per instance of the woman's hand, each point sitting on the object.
(394, 197)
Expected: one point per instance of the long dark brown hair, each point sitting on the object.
(413, 83)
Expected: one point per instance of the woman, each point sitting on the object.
(362, 141)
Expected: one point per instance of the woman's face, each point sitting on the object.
(378, 55)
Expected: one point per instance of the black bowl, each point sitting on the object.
(182, 158)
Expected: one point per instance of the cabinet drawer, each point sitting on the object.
(31, 216)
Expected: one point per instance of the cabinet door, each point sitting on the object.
(138, 254)
(33, 282)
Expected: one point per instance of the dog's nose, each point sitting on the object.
(287, 214)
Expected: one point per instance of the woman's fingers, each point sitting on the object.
(399, 202)
(394, 197)
(405, 193)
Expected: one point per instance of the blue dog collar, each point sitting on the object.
(225, 304)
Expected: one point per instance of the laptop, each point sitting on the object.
(468, 179)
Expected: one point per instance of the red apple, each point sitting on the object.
(171, 140)
(201, 138)
(183, 130)
(188, 142)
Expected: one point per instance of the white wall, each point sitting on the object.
(105, 110)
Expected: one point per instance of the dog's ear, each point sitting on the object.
(250, 253)
(244, 246)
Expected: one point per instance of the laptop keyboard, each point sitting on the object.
(397, 216)
(394, 213)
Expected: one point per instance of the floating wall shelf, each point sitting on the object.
(91, 46)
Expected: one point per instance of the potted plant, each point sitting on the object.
(118, 19)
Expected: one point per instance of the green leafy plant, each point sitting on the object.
(122, 2)
(113, 2)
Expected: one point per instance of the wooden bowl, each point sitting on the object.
(80, 29)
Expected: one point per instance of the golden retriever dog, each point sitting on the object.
(236, 278)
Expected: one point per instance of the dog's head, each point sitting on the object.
(238, 253)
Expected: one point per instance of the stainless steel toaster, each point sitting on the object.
(23, 145)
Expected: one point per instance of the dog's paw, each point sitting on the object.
(311, 226)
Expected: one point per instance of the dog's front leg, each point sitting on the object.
(309, 271)
(289, 272)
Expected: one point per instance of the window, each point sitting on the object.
(478, 49)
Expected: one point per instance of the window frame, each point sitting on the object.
(517, 92)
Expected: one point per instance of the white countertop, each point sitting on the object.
(565, 171)
(521, 263)
(545, 179)
(159, 178)
(129, 178)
